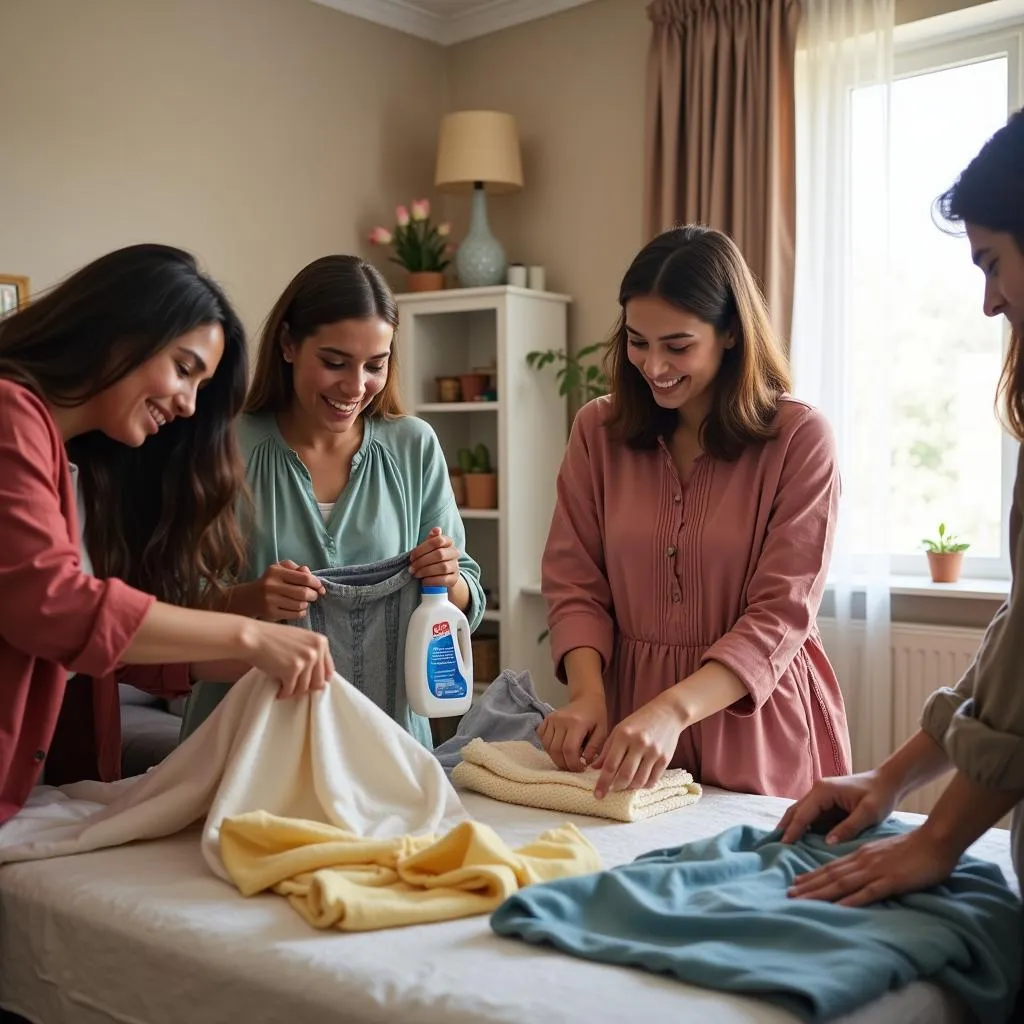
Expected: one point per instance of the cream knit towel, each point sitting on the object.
(516, 772)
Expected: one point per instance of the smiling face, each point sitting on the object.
(676, 353)
(1002, 262)
(338, 370)
(160, 390)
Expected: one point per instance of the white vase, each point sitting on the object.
(480, 261)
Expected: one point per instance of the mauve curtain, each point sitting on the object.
(721, 138)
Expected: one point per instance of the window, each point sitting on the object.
(951, 460)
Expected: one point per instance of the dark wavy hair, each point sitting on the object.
(701, 271)
(328, 290)
(990, 194)
(162, 516)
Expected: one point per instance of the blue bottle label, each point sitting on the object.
(444, 677)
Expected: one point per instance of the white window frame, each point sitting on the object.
(934, 45)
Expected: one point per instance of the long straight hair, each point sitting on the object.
(327, 291)
(160, 516)
(701, 271)
(990, 194)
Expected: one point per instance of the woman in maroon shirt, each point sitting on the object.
(117, 392)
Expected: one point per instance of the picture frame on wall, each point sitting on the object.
(13, 292)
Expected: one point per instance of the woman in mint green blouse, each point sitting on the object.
(337, 474)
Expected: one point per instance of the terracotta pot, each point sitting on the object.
(458, 485)
(426, 281)
(481, 490)
(448, 389)
(945, 566)
(473, 385)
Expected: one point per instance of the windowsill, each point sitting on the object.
(966, 588)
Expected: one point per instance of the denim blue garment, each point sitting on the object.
(714, 913)
(509, 709)
(365, 617)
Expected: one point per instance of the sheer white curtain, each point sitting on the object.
(840, 335)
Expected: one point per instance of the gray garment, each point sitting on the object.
(365, 617)
(509, 709)
(980, 723)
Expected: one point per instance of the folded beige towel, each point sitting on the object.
(516, 772)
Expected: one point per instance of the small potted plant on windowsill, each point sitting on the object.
(419, 245)
(479, 479)
(945, 556)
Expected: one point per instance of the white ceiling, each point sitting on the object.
(450, 21)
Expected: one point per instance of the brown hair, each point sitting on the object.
(160, 516)
(328, 290)
(990, 193)
(703, 272)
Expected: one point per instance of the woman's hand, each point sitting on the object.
(850, 803)
(573, 735)
(298, 658)
(285, 591)
(639, 748)
(435, 562)
(879, 870)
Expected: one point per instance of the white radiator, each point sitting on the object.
(923, 659)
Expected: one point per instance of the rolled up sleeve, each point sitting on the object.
(49, 608)
(980, 722)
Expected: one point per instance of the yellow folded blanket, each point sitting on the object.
(336, 879)
(516, 772)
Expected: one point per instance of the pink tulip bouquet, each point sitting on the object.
(419, 245)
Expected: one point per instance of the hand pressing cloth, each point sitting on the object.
(516, 772)
(716, 913)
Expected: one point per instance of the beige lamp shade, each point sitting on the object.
(478, 145)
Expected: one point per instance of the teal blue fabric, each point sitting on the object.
(398, 491)
(715, 913)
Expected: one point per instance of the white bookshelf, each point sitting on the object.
(451, 332)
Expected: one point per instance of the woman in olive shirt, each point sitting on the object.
(978, 727)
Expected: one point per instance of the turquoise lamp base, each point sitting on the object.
(480, 260)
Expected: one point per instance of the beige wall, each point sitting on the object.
(576, 84)
(259, 134)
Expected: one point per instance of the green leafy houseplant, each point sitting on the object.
(576, 379)
(945, 556)
(420, 246)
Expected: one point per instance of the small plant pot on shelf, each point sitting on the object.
(481, 490)
(945, 566)
(479, 477)
(426, 281)
(449, 389)
(474, 385)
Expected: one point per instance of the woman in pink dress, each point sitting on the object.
(689, 546)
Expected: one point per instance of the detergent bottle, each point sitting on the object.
(438, 657)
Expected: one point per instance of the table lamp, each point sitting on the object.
(478, 153)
